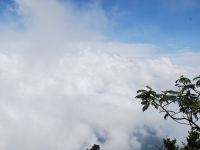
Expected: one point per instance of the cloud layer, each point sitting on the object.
(81, 99)
(64, 86)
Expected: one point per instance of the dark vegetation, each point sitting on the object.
(187, 98)
(94, 147)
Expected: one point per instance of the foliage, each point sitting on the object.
(188, 100)
(193, 142)
(170, 144)
(95, 147)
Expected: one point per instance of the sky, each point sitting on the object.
(70, 69)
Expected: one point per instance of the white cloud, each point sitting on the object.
(57, 29)
(187, 58)
(69, 102)
(55, 95)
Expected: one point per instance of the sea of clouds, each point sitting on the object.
(80, 99)
(63, 87)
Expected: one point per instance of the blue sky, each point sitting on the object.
(164, 23)
(155, 22)
(170, 25)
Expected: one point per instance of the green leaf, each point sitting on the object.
(198, 77)
(198, 83)
(145, 107)
(141, 91)
(144, 102)
(155, 105)
(176, 81)
(172, 92)
(148, 87)
(187, 87)
(166, 115)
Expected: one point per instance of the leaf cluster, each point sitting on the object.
(186, 97)
(193, 142)
(95, 147)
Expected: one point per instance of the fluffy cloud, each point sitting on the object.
(60, 28)
(81, 99)
(56, 95)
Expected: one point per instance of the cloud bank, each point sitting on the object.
(64, 86)
(81, 99)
